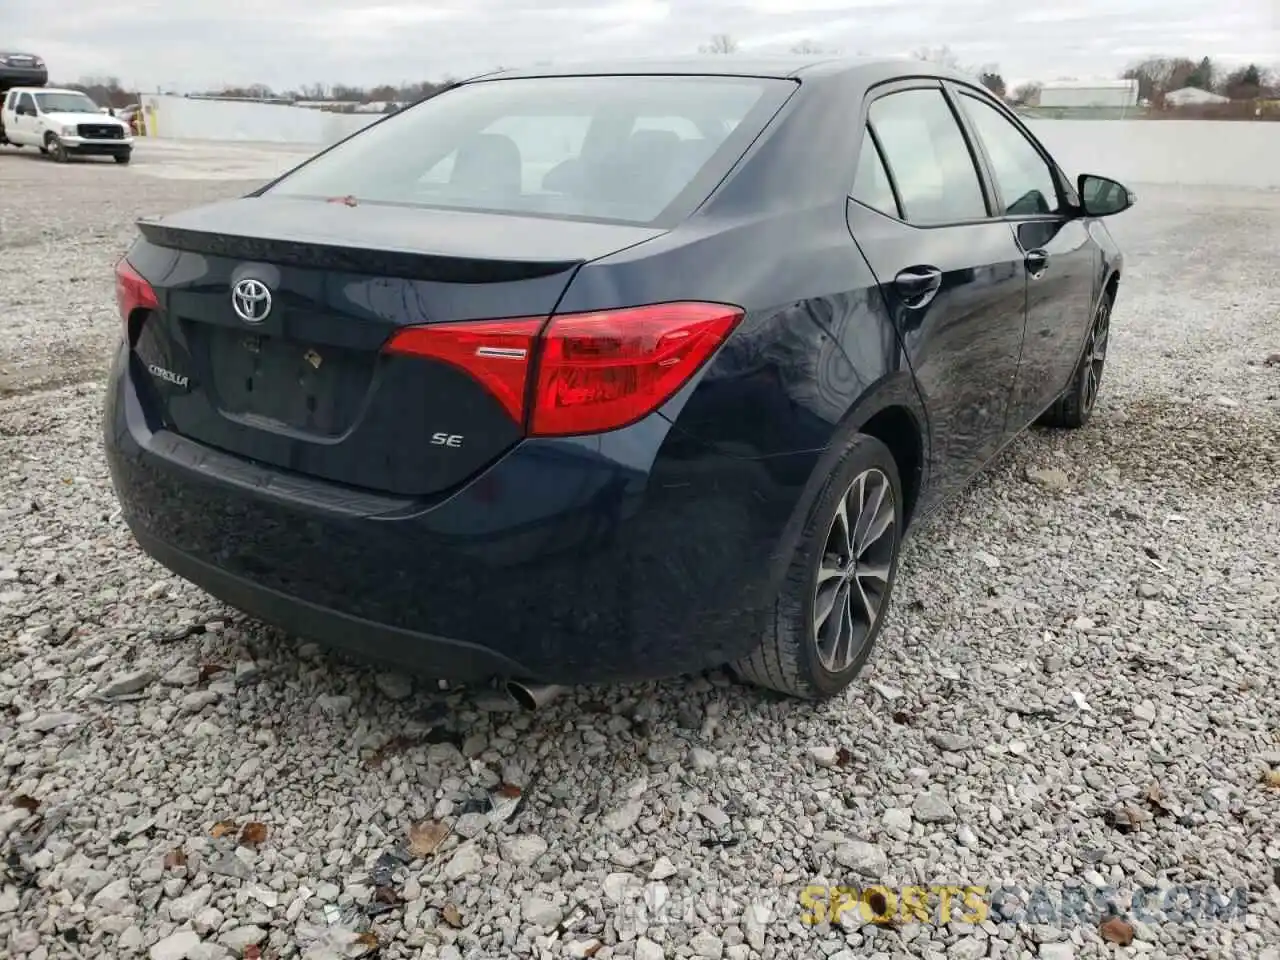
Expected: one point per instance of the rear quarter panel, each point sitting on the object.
(816, 351)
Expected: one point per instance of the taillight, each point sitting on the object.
(590, 372)
(601, 371)
(495, 352)
(133, 292)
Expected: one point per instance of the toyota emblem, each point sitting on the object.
(251, 300)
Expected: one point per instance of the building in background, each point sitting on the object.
(1192, 96)
(1089, 94)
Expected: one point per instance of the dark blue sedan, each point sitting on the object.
(607, 373)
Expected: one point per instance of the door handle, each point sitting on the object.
(918, 285)
(1037, 262)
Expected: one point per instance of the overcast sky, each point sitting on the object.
(196, 44)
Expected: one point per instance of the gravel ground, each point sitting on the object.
(1074, 701)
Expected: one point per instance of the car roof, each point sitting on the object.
(51, 90)
(868, 69)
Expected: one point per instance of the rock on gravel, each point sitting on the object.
(862, 858)
(176, 946)
(1014, 606)
(933, 808)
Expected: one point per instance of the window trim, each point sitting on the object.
(1067, 198)
(868, 133)
(901, 85)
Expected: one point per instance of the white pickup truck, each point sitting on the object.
(62, 124)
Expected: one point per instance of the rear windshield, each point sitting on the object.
(631, 149)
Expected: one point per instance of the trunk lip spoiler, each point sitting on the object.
(320, 255)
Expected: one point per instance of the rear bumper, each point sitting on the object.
(633, 555)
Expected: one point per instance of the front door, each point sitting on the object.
(24, 121)
(1061, 258)
(951, 275)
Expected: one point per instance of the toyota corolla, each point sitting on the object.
(608, 373)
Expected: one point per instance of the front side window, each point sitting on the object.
(608, 148)
(928, 157)
(26, 103)
(1027, 185)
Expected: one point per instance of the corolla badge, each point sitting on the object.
(251, 300)
(177, 379)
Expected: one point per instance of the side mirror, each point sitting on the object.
(1103, 197)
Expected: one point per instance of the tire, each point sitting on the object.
(1072, 410)
(123, 157)
(56, 150)
(794, 655)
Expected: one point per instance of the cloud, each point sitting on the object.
(197, 44)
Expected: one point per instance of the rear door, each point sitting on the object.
(952, 276)
(1061, 258)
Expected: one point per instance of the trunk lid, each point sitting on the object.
(297, 378)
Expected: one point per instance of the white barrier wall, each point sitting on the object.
(179, 118)
(1186, 152)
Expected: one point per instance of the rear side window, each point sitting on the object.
(928, 157)
(631, 149)
(1027, 185)
(871, 183)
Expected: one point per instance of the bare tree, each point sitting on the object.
(991, 79)
(1028, 93)
(104, 91)
(809, 47)
(940, 55)
(720, 43)
(1156, 76)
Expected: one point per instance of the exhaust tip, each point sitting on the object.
(532, 697)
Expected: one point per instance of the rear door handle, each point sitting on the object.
(1037, 262)
(918, 285)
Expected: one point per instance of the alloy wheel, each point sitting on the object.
(853, 577)
(1095, 356)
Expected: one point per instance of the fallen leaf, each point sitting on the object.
(177, 857)
(224, 828)
(386, 894)
(1126, 818)
(452, 916)
(397, 744)
(368, 940)
(596, 947)
(1272, 778)
(714, 842)
(24, 802)
(1159, 802)
(508, 790)
(252, 952)
(1117, 930)
(425, 836)
(208, 670)
(253, 834)
(902, 717)
(843, 757)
